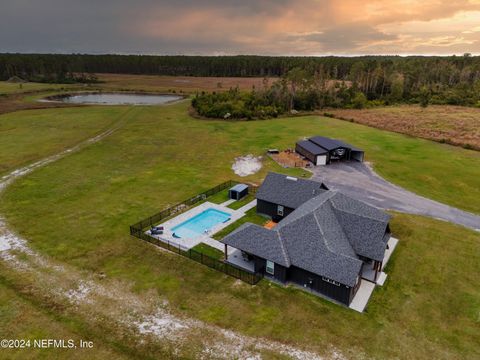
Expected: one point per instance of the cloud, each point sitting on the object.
(272, 27)
(346, 37)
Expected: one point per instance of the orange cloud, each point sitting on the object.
(297, 27)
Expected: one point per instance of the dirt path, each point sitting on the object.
(145, 317)
(359, 181)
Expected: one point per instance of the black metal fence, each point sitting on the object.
(138, 230)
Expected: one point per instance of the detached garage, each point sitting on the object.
(314, 153)
(321, 150)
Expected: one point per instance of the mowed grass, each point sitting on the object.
(208, 250)
(242, 202)
(83, 204)
(27, 136)
(250, 216)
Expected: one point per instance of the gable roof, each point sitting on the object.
(325, 235)
(239, 187)
(331, 144)
(288, 191)
(260, 241)
(326, 143)
(311, 147)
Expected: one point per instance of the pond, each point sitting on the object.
(115, 99)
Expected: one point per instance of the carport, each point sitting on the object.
(321, 150)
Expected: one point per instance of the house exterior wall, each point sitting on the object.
(280, 272)
(341, 293)
(270, 209)
(306, 279)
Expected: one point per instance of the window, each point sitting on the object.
(280, 210)
(330, 281)
(270, 267)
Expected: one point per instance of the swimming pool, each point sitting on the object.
(200, 223)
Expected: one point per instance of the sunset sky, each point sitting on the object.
(217, 27)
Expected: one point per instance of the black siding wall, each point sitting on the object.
(341, 293)
(270, 209)
(312, 281)
(280, 272)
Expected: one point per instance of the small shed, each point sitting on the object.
(238, 191)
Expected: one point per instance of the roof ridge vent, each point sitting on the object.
(291, 178)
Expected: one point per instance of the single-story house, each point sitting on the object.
(323, 244)
(279, 194)
(321, 150)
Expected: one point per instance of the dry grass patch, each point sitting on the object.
(454, 125)
(187, 84)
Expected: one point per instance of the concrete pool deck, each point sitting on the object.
(188, 243)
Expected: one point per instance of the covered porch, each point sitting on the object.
(373, 270)
(238, 258)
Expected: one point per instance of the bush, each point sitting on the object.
(359, 100)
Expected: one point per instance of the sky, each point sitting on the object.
(228, 27)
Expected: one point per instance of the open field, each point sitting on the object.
(28, 136)
(82, 206)
(454, 125)
(12, 88)
(24, 317)
(187, 84)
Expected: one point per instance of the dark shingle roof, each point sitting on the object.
(312, 147)
(260, 241)
(287, 191)
(364, 226)
(325, 236)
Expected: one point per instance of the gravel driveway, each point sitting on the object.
(359, 181)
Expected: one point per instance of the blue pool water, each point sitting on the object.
(198, 224)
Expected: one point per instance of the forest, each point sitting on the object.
(306, 83)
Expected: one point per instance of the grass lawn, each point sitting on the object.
(219, 197)
(208, 250)
(242, 202)
(250, 216)
(83, 204)
(30, 135)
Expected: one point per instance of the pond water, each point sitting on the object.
(117, 99)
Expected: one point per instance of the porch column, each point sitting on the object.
(375, 266)
(226, 254)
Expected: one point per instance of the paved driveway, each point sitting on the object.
(359, 181)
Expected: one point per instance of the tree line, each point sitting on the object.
(424, 79)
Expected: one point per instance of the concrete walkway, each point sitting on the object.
(249, 206)
(360, 300)
(228, 202)
(359, 181)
